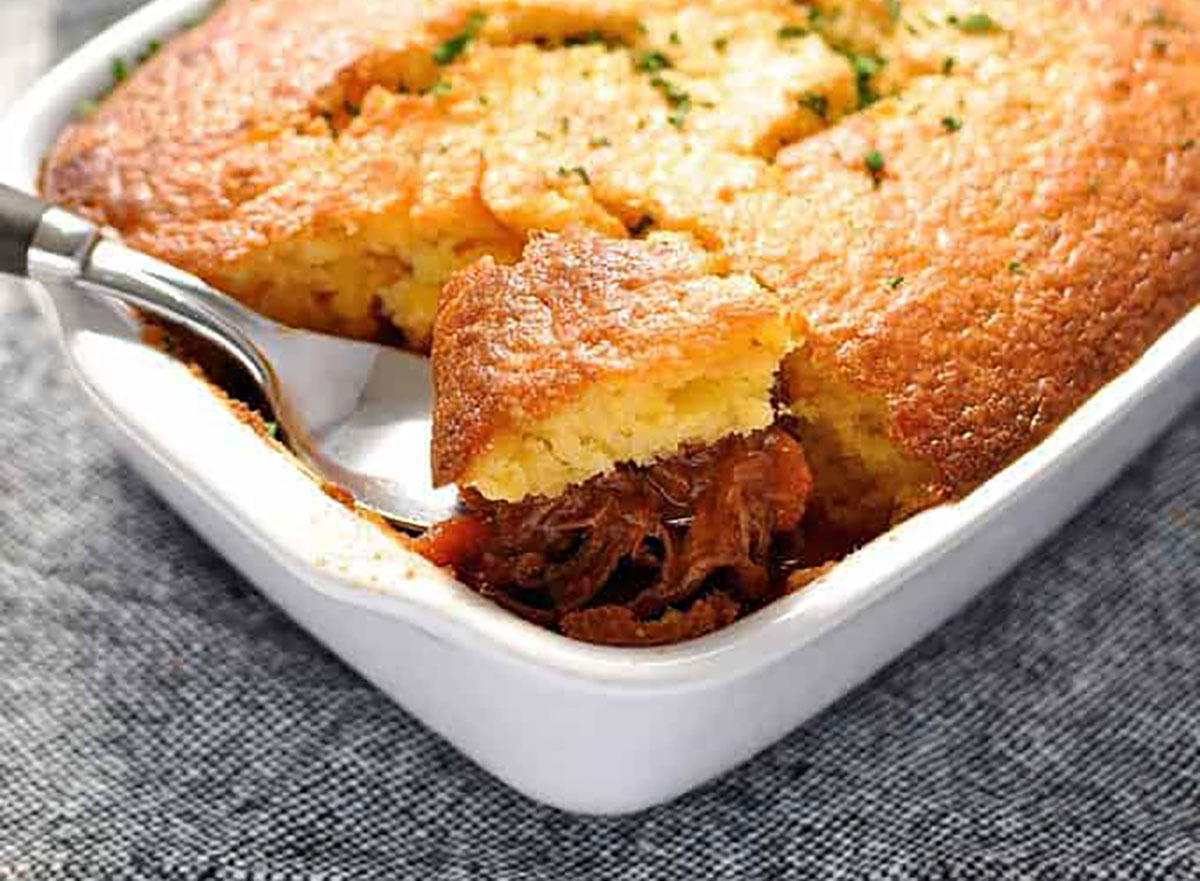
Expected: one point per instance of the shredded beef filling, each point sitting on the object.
(643, 555)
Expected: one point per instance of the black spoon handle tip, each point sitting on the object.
(20, 215)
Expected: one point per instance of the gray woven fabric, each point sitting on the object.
(158, 719)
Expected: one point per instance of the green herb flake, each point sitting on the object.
(674, 38)
(651, 61)
(671, 92)
(948, 64)
(86, 107)
(893, 10)
(680, 101)
(975, 23)
(578, 171)
(791, 32)
(120, 70)
(456, 45)
(272, 429)
(865, 68)
(952, 123)
(441, 87)
(588, 38)
(896, 282)
(875, 164)
(1189, 144)
(152, 49)
(1016, 267)
(815, 102)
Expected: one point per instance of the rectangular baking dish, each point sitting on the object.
(584, 728)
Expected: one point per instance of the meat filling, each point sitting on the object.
(645, 554)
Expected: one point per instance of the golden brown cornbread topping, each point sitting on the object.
(945, 223)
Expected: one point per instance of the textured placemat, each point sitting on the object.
(158, 719)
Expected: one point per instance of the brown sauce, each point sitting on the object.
(644, 554)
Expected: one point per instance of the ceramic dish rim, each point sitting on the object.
(780, 628)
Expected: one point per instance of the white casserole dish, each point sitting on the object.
(585, 728)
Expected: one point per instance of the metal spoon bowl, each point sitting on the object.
(358, 414)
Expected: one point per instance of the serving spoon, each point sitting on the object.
(357, 414)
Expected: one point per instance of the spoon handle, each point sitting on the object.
(43, 242)
(20, 217)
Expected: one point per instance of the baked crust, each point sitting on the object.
(1042, 248)
(975, 254)
(1031, 228)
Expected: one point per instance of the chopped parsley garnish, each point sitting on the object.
(1016, 267)
(584, 39)
(816, 102)
(865, 68)
(893, 10)
(592, 38)
(875, 164)
(578, 170)
(674, 38)
(120, 70)
(791, 32)
(150, 51)
(676, 97)
(818, 18)
(271, 428)
(948, 65)
(952, 123)
(456, 45)
(670, 91)
(651, 61)
(894, 283)
(441, 87)
(975, 23)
